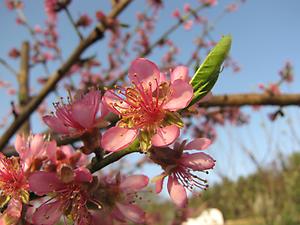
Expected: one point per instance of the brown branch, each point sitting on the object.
(252, 99)
(95, 35)
(23, 80)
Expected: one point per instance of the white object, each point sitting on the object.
(207, 217)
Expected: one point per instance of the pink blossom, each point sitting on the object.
(14, 53)
(232, 7)
(272, 88)
(155, 4)
(11, 91)
(50, 6)
(179, 168)
(101, 17)
(64, 159)
(33, 150)
(69, 198)
(20, 21)
(48, 56)
(77, 116)
(14, 189)
(147, 108)
(84, 21)
(37, 29)
(14, 4)
(286, 73)
(187, 7)
(209, 2)
(176, 13)
(4, 84)
(188, 24)
(117, 197)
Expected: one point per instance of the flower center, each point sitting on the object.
(140, 107)
(75, 199)
(12, 178)
(189, 180)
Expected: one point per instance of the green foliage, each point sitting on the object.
(270, 196)
(208, 72)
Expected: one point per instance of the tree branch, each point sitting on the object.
(252, 99)
(95, 35)
(23, 80)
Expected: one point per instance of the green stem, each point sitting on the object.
(113, 157)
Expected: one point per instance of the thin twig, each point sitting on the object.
(73, 22)
(8, 67)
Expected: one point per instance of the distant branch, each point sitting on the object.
(252, 99)
(73, 23)
(8, 67)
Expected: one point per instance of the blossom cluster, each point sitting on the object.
(60, 177)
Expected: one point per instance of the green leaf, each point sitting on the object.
(208, 72)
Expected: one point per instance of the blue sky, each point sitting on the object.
(265, 35)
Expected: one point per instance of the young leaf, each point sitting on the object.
(207, 74)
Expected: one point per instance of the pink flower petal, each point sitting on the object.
(197, 161)
(143, 71)
(83, 114)
(48, 214)
(162, 78)
(36, 145)
(42, 183)
(198, 144)
(118, 138)
(132, 212)
(180, 72)
(165, 136)
(177, 192)
(110, 99)
(118, 215)
(104, 110)
(82, 174)
(92, 98)
(12, 214)
(181, 94)
(51, 149)
(159, 184)
(32, 206)
(20, 144)
(55, 124)
(84, 111)
(134, 182)
(100, 215)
